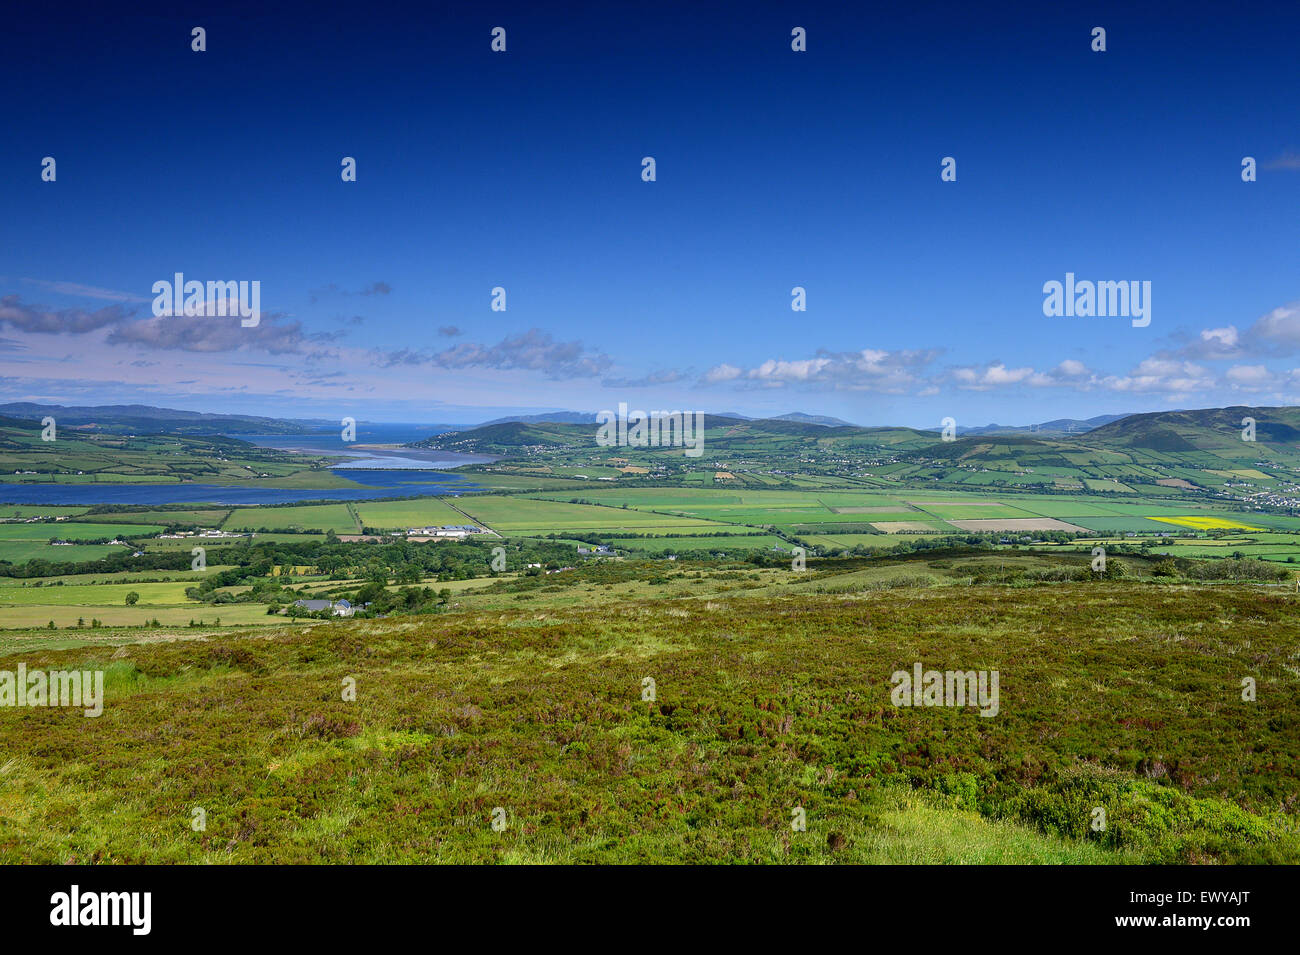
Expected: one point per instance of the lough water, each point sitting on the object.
(404, 472)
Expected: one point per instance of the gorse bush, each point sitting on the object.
(1235, 568)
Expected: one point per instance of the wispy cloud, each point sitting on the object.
(333, 289)
(534, 350)
(78, 290)
(42, 320)
(1289, 160)
(215, 334)
(647, 381)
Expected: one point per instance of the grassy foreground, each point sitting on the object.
(1119, 696)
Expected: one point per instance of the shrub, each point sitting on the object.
(1166, 568)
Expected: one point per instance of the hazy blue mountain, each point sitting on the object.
(146, 418)
(821, 419)
(1054, 427)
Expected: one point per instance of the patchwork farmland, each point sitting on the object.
(869, 518)
(707, 555)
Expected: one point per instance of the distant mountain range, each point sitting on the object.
(138, 418)
(1201, 437)
(558, 417)
(145, 418)
(1216, 430)
(584, 417)
(1056, 426)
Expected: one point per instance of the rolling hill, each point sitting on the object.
(1202, 430)
(721, 433)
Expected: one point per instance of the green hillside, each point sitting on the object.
(79, 456)
(765, 434)
(761, 707)
(1277, 431)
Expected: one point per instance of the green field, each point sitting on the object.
(75, 531)
(525, 516)
(187, 544)
(21, 551)
(8, 511)
(67, 616)
(849, 541)
(57, 593)
(68, 600)
(206, 517)
(1114, 524)
(21, 542)
(732, 544)
(837, 513)
(402, 515)
(308, 517)
(119, 577)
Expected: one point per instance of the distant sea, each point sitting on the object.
(331, 442)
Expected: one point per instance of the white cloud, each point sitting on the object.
(1279, 328)
(1275, 334)
(1225, 338)
(723, 372)
(802, 370)
(1249, 377)
(1165, 375)
(997, 375)
(868, 369)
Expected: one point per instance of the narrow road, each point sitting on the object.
(471, 518)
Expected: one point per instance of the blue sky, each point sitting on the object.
(775, 169)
